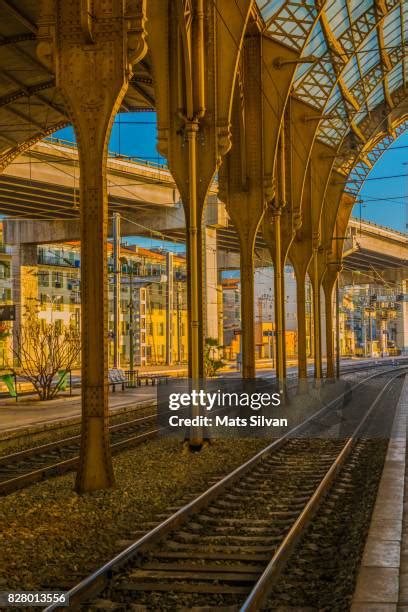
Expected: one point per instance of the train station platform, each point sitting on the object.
(32, 416)
(382, 583)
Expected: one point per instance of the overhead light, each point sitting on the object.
(279, 62)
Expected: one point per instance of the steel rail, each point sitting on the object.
(45, 448)
(97, 581)
(60, 467)
(269, 577)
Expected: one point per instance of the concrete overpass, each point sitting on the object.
(42, 186)
(375, 252)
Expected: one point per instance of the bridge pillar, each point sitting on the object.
(93, 56)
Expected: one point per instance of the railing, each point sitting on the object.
(111, 154)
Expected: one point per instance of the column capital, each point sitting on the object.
(91, 49)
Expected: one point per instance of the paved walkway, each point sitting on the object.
(382, 584)
(29, 412)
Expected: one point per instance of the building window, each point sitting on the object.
(44, 279)
(57, 280)
(4, 270)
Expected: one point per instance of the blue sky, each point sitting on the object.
(384, 200)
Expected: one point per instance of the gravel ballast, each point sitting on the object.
(50, 537)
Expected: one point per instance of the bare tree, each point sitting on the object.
(44, 349)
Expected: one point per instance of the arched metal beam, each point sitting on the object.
(10, 155)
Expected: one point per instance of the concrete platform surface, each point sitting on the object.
(29, 412)
(382, 583)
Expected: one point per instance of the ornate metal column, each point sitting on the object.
(279, 297)
(329, 282)
(300, 273)
(92, 47)
(278, 232)
(316, 284)
(194, 69)
(242, 185)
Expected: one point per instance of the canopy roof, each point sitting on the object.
(30, 107)
(357, 52)
(357, 69)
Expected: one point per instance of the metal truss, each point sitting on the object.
(366, 162)
(359, 57)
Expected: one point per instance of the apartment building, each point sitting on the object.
(150, 320)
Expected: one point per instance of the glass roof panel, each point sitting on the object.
(334, 99)
(331, 130)
(405, 19)
(360, 115)
(369, 54)
(336, 11)
(317, 44)
(358, 7)
(351, 73)
(301, 70)
(316, 86)
(395, 78)
(392, 29)
(329, 84)
(289, 21)
(376, 97)
(269, 8)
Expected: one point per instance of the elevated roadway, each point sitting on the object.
(42, 186)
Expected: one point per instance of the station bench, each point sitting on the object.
(152, 379)
(116, 377)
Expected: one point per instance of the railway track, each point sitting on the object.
(22, 468)
(227, 548)
(25, 467)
